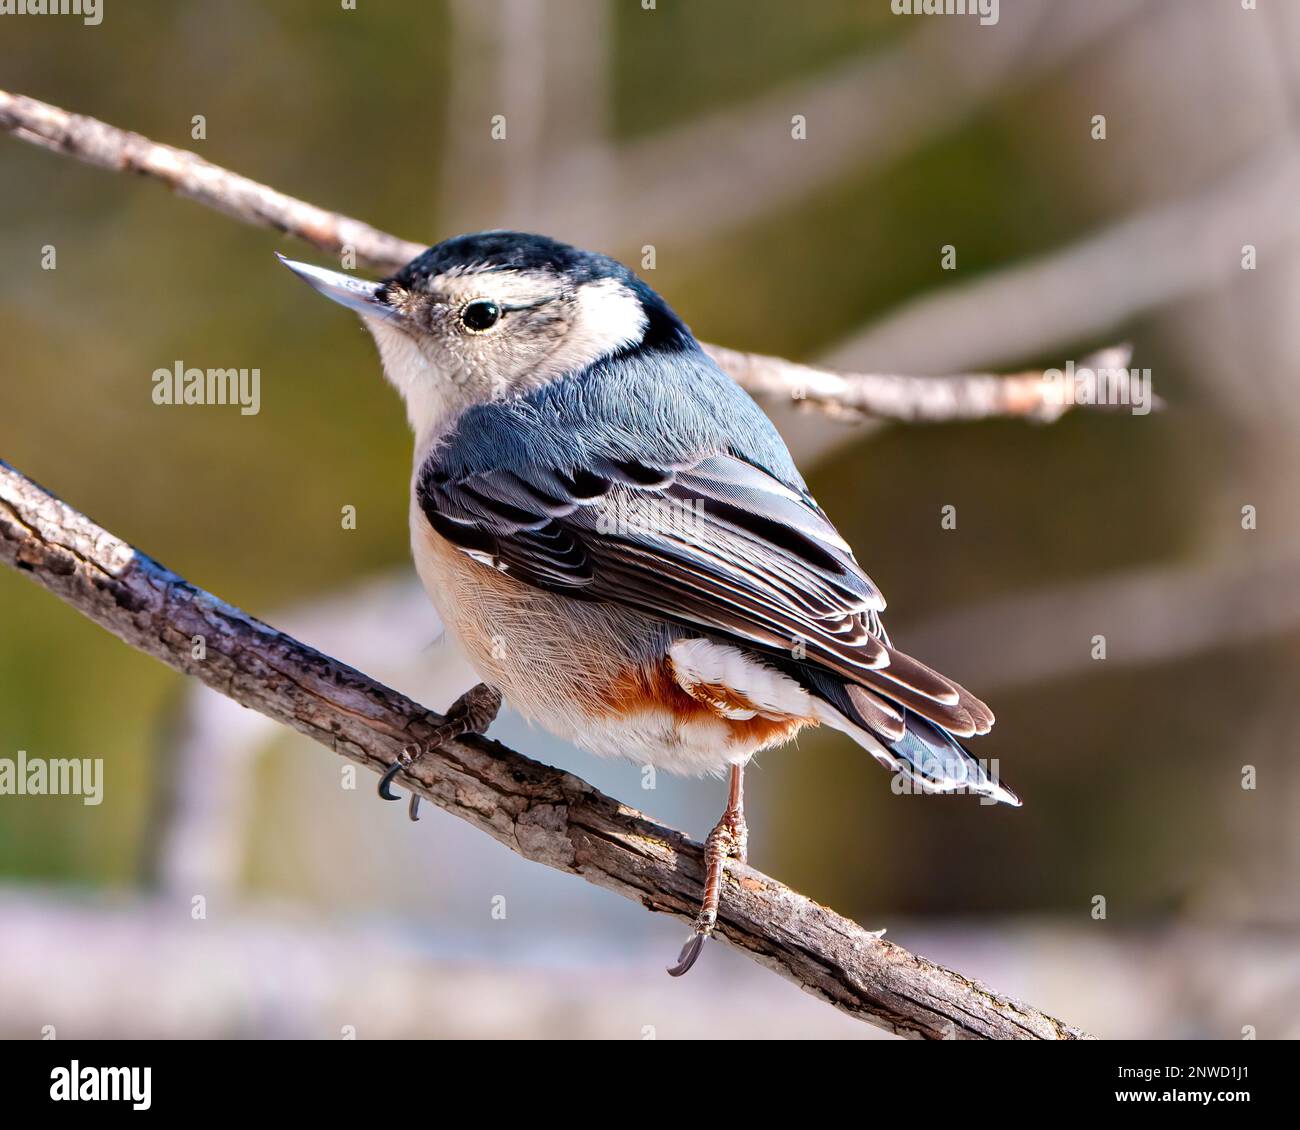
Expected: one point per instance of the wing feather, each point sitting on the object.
(715, 543)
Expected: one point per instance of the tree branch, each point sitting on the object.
(968, 396)
(917, 400)
(543, 814)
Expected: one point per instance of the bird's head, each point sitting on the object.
(495, 314)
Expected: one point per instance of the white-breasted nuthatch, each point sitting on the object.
(620, 539)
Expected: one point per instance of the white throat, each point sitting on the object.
(432, 401)
(604, 317)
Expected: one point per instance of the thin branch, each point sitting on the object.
(543, 814)
(188, 174)
(918, 400)
(960, 397)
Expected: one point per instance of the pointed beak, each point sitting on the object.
(358, 295)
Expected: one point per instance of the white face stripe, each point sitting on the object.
(605, 317)
(609, 317)
(507, 287)
(442, 372)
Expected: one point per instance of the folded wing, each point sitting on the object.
(716, 544)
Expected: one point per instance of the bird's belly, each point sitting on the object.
(593, 674)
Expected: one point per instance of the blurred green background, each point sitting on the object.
(1130, 768)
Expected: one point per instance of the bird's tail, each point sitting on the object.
(936, 761)
(927, 756)
(888, 722)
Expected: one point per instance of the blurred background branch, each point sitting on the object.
(932, 399)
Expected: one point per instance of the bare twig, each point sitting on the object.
(188, 174)
(544, 814)
(972, 396)
(960, 397)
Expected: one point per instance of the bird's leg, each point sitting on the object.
(472, 713)
(729, 839)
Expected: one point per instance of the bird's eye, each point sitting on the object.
(480, 316)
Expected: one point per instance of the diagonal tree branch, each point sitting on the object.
(543, 814)
(968, 396)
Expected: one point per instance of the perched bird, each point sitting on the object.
(620, 540)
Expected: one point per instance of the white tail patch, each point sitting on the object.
(703, 668)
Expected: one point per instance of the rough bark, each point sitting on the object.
(539, 812)
(543, 814)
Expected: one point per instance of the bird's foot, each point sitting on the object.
(472, 713)
(737, 835)
(729, 840)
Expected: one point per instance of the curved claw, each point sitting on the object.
(690, 952)
(386, 780)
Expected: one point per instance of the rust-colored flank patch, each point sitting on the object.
(656, 687)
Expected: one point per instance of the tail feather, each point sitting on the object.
(903, 729)
(924, 752)
(937, 762)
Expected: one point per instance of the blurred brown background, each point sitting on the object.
(671, 127)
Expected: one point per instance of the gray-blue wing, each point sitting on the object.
(715, 543)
